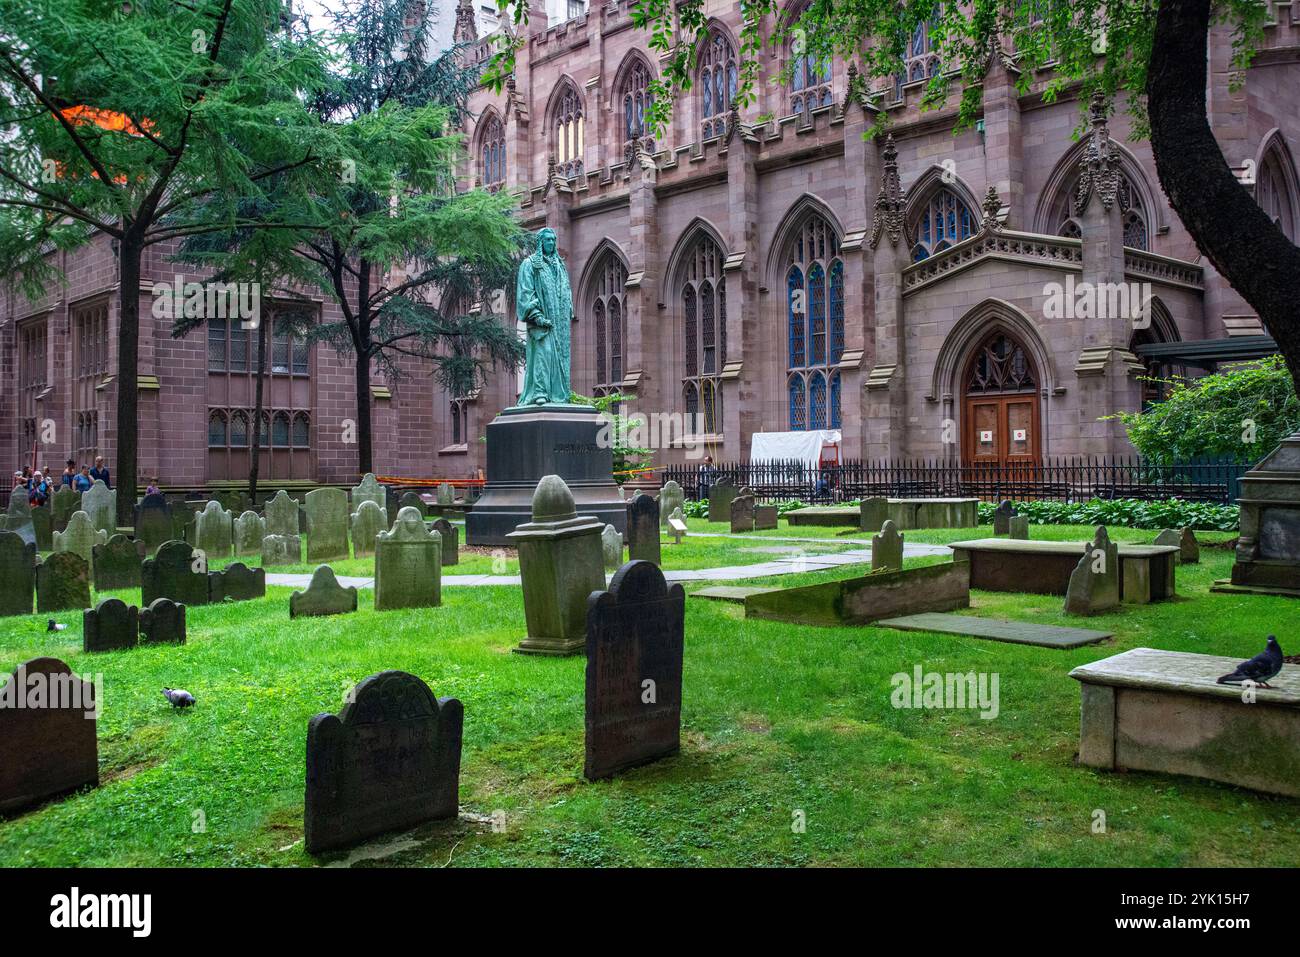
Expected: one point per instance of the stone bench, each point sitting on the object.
(1043, 568)
(1150, 710)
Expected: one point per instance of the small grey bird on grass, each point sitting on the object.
(179, 697)
(1259, 669)
(55, 626)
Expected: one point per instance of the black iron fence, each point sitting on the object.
(1061, 480)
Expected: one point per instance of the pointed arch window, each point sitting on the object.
(814, 281)
(492, 154)
(1273, 192)
(920, 61)
(569, 133)
(703, 302)
(634, 100)
(944, 221)
(608, 313)
(1133, 214)
(1000, 366)
(717, 84)
(810, 75)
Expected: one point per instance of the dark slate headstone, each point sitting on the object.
(62, 583)
(1002, 518)
(64, 504)
(390, 759)
(162, 623)
(635, 635)
(176, 572)
(17, 574)
(721, 496)
(117, 563)
(765, 517)
(411, 500)
(112, 625)
(324, 596)
(237, 582)
(153, 522)
(450, 541)
(48, 750)
(643, 543)
(43, 528)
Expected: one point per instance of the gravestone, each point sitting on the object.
(62, 583)
(1002, 518)
(327, 524)
(1094, 583)
(367, 522)
(643, 529)
(450, 541)
(446, 494)
(281, 550)
(81, 537)
(282, 515)
(765, 517)
(561, 562)
(50, 750)
(635, 635)
(162, 623)
(19, 518)
(117, 563)
(721, 495)
(100, 503)
(324, 596)
(887, 549)
(63, 504)
(389, 760)
(671, 496)
(153, 522)
(371, 491)
(250, 529)
(175, 572)
(1183, 539)
(677, 525)
(1018, 526)
(214, 531)
(112, 625)
(43, 528)
(412, 500)
(742, 511)
(237, 582)
(611, 542)
(17, 574)
(872, 513)
(408, 564)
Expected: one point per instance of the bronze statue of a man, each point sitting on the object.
(544, 303)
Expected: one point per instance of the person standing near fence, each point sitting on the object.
(704, 482)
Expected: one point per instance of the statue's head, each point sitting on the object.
(546, 241)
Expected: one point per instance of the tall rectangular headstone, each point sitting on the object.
(370, 490)
(887, 549)
(250, 529)
(117, 563)
(100, 503)
(64, 503)
(214, 532)
(872, 513)
(390, 759)
(282, 515)
(48, 750)
(450, 541)
(153, 522)
(43, 528)
(175, 572)
(635, 638)
(721, 496)
(671, 497)
(408, 564)
(643, 538)
(327, 524)
(17, 574)
(62, 583)
(742, 511)
(367, 522)
(1002, 517)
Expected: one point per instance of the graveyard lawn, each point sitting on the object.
(779, 721)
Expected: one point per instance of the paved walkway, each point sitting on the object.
(792, 565)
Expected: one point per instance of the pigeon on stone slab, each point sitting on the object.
(179, 697)
(55, 626)
(1259, 669)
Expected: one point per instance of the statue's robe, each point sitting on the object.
(545, 304)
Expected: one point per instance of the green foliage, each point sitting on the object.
(1240, 414)
(1125, 513)
(627, 457)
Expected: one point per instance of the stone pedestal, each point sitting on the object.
(525, 444)
(1268, 547)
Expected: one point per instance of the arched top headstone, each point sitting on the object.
(553, 501)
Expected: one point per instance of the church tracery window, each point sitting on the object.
(703, 299)
(944, 221)
(570, 132)
(814, 281)
(717, 84)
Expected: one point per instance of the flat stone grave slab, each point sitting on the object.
(996, 629)
(1044, 568)
(732, 593)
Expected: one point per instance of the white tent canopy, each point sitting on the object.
(803, 447)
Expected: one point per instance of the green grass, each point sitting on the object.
(777, 719)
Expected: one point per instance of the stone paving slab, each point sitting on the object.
(995, 629)
(735, 593)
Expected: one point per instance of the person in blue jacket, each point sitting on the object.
(83, 481)
(100, 471)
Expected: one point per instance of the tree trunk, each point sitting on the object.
(363, 412)
(263, 339)
(1229, 227)
(130, 252)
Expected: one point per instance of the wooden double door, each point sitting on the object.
(1001, 429)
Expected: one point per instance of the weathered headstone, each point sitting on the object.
(281, 550)
(611, 542)
(117, 563)
(324, 596)
(389, 760)
(153, 522)
(112, 625)
(643, 542)
(367, 522)
(64, 503)
(214, 531)
(162, 622)
(17, 574)
(408, 564)
(742, 511)
(327, 524)
(19, 518)
(561, 562)
(50, 749)
(412, 500)
(721, 495)
(236, 582)
(1002, 517)
(1018, 526)
(671, 496)
(371, 491)
(177, 572)
(450, 541)
(184, 516)
(887, 549)
(62, 583)
(250, 529)
(635, 637)
(765, 517)
(281, 515)
(43, 528)
(1094, 583)
(80, 537)
(100, 503)
(677, 525)
(872, 513)
(446, 494)
(1190, 549)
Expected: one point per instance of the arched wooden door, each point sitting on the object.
(1000, 404)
